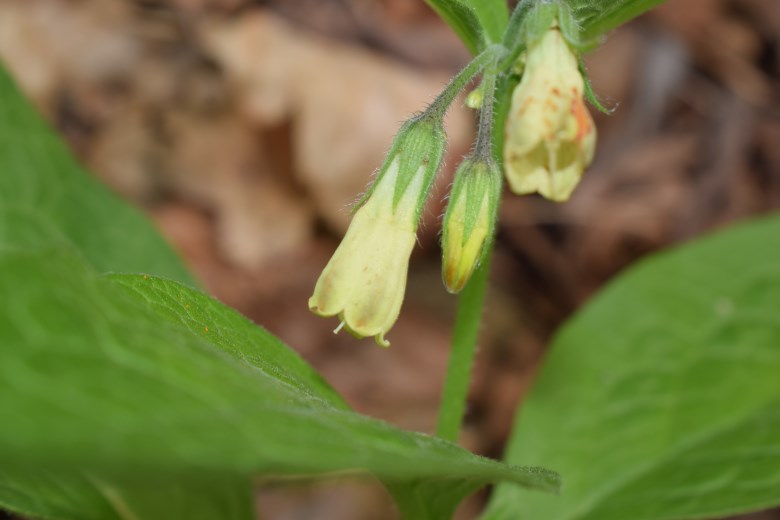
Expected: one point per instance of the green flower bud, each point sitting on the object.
(469, 221)
(550, 136)
(365, 280)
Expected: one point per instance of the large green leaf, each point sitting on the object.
(481, 21)
(118, 390)
(45, 197)
(40, 179)
(475, 21)
(229, 331)
(80, 497)
(463, 20)
(661, 399)
(141, 389)
(596, 17)
(132, 374)
(493, 16)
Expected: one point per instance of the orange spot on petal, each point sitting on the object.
(582, 117)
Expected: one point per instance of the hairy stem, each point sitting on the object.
(464, 342)
(483, 149)
(439, 107)
(472, 298)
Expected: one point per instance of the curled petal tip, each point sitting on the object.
(381, 341)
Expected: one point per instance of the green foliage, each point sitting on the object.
(661, 399)
(160, 367)
(137, 397)
(81, 497)
(41, 185)
(540, 17)
(463, 21)
(46, 198)
(230, 332)
(596, 17)
(492, 15)
(477, 22)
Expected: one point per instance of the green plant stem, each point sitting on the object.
(472, 298)
(464, 342)
(514, 37)
(439, 107)
(514, 34)
(484, 145)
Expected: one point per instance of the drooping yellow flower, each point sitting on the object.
(550, 136)
(469, 221)
(365, 280)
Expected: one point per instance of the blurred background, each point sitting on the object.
(245, 128)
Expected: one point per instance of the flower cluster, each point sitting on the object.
(549, 141)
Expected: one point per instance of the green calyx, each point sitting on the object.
(418, 147)
(420, 151)
(476, 181)
(420, 143)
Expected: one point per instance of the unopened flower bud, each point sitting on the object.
(550, 136)
(365, 280)
(469, 221)
(475, 98)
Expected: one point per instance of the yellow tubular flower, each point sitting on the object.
(550, 136)
(365, 280)
(469, 221)
(461, 254)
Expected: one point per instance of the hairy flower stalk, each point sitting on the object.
(468, 228)
(550, 136)
(470, 218)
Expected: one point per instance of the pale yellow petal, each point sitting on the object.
(527, 173)
(365, 280)
(550, 136)
(462, 255)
